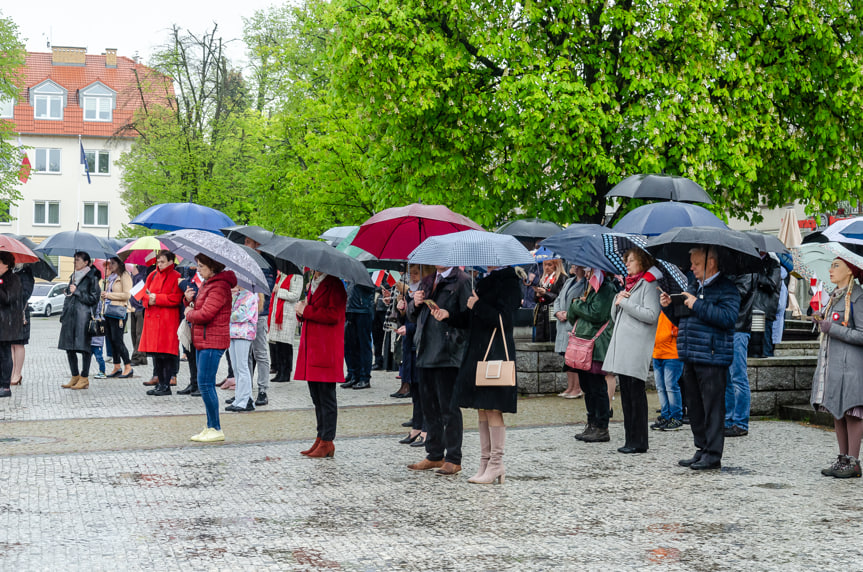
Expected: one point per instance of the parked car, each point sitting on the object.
(47, 298)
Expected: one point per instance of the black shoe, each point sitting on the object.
(159, 391)
(187, 390)
(262, 398)
(685, 420)
(349, 384)
(689, 462)
(5, 392)
(408, 440)
(421, 442)
(705, 466)
(630, 450)
(196, 393)
(598, 436)
(229, 400)
(400, 395)
(408, 423)
(735, 431)
(377, 367)
(588, 429)
(362, 385)
(250, 406)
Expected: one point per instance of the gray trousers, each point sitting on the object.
(259, 355)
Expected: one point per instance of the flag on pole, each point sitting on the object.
(84, 161)
(24, 171)
(381, 276)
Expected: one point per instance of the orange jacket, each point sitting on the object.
(665, 346)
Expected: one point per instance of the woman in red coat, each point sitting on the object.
(209, 314)
(322, 354)
(161, 303)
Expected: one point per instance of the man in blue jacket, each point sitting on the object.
(705, 343)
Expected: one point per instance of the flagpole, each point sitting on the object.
(78, 206)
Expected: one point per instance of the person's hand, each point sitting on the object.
(104, 295)
(620, 296)
(472, 300)
(561, 316)
(664, 300)
(72, 289)
(401, 305)
(190, 294)
(531, 277)
(419, 297)
(824, 325)
(186, 312)
(540, 290)
(689, 300)
(301, 307)
(402, 331)
(152, 298)
(440, 314)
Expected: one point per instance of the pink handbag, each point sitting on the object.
(496, 372)
(579, 352)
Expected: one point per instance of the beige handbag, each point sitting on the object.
(496, 372)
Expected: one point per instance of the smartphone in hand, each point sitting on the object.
(431, 304)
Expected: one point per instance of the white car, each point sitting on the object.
(47, 298)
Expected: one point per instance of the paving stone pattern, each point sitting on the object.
(144, 498)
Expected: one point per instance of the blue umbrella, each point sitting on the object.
(656, 218)
(542, 254)
(853, 231)
(179, 216)
(581, 244)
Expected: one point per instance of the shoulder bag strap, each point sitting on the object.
(503, 335)
(602, 329)
(490, 341)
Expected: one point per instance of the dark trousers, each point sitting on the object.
(72, 356)
(378, 336)
(768, 338)
(409, 375)
(705, 393)
(114, 327)
(136, 328)
(164, 369)
(192, 358)
(595, 398)
(441, 413)
(283, 359)
(6, 365)
(358, 345)
(326, 408)
(633, 399)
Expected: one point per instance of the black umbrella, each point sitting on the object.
(378, 264)
(766, 242)
(737, 254)
(241, 232)
(68, 242)
(44, 268)
(262, 261)
(662, 187)
(530, 228)
(299, 253)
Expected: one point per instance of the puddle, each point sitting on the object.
(774, 486)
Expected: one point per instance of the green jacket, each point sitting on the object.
(591, 314)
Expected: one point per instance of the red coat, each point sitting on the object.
(162, 318)
(211, 316)
(321, 355)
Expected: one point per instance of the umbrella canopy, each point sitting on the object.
(142, 251)
(189, 242)
(394, 233)
(42, 268)
(814, 260)
(298, 253)
(662, 187)
(102, 265)
(736, 252)
(789, 234)
(542, 254)
(240, 233)
(615, 246)
(581, 244)
(68, 242)
(766, 242)
(471, 248)
(336, 235)
(837, 232)
(20, 251)
(178, 216)
(530, 228)
(259, 259)
(853, 231)
(656, 218)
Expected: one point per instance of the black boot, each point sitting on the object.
(277, 357)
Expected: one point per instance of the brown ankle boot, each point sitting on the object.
(485, 450)
(325, 449)
(71, 382)
(312, 448)
(83, 383)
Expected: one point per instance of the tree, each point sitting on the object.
(542, 106)
(11, 63)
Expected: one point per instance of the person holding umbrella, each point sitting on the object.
(573, 288)
(11, 318)
(82, 296)
(321, 355)
(544, 294)
(161, 302)
(837, 387)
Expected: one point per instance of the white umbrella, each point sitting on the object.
(471, 248)
(789, 234)
(833, 232)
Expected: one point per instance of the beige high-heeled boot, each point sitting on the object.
(485, 450)
(495, 470)
(83, 383)
(71, 382)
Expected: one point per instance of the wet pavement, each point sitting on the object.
(106, 479)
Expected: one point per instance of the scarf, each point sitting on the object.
(547, 281)
(78, 275)
(315, 283)
(280, 304)
(632, 279)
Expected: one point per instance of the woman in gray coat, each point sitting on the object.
(82, 295)
(635, 314)
(837, 387)
(572, 289)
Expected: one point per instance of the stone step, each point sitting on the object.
(796, 348)
(804, 412)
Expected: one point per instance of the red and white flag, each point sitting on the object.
(379, 276)
(817, 288)
(24, 171)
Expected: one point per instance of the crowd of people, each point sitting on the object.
(436, 326)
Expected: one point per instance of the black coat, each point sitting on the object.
(11, 308)
(77, 311)
(499, 297)
(27, 283)
(439, 344)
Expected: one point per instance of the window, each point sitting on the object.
(46, 212)
(97, 109)
(95, 214)
(49, 107)
(47, 161)
(98, 162)
(5, 213)
(7, 107)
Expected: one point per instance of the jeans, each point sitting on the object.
(442, 414)
(326, 408)
(259, 355)
(358, 345)
(208, 365)
(768, 339)
(97, 355)
(239, 351)
(666, 373)
(737, 395)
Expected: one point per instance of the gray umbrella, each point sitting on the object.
(471, 248)
(335, 235)
(320, 256)
(737, 254)
(68, 242)
(662, 187)
(188, 243)
(530, 228)
(44, 269)
(239, 233)
(766, 242)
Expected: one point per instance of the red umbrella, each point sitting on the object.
(18, 249)
(392, 234)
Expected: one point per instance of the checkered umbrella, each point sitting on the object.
(616, 244)
(471, 248)
(814, 260)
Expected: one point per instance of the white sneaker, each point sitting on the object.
(199, 435)
(211, 436)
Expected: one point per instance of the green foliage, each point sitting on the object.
(11, 62)
(500, 106)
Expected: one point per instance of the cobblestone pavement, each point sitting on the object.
(105, 479)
